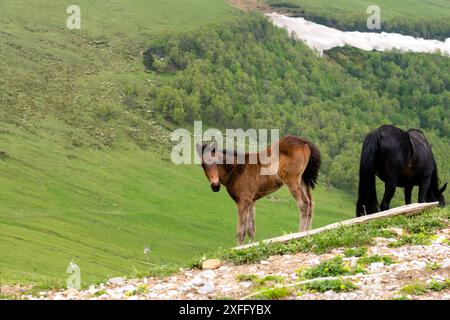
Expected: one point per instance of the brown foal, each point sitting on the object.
(296, 166)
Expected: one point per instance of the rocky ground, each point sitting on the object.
(410, 265)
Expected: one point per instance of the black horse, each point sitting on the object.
(399, 159)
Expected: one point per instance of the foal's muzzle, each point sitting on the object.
(215, 187)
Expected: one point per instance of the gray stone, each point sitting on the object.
(197, 281)
(207, 288)
(117, 280)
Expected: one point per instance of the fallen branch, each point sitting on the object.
(410, 209)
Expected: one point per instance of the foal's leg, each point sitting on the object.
(297, 193)
(389, 191)
(408, 193)
(251, 227)
(307, 199)
(243, 212)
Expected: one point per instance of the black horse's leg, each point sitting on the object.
(408, 193)
(389, 191)
(423, 189)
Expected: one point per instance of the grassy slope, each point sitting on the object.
(64, 196)
(411, 9)
(102, 208)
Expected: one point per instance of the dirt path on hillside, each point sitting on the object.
(251, 5)
(427, 266)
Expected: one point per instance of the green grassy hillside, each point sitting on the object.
(412, 9)
(102, 208)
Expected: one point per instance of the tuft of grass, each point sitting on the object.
(274, 293)
(412, 239)
(355, 252)
(246, 277)
(260, 281)
(140, 289)
(433, 266)
(438, 286)
(337, 285)
(415, 288)
(161, 271)
(419, 288)
(330, 268)
(367, 260)
(99, 293)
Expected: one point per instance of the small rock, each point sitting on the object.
(159, 286)
(172, 293)
(245, 284)
(227, 288)
(92, 289)
(117, 280)
(207, 288)
(208, 274)
(71, 292)
(197, 281)
(211, 264)
(152, 295)
(376, 267)
(127, 288)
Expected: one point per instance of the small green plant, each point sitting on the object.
(415, 288)
(99, 293)
(140, 289)
(268, 279)
(387, 234)
(330, 268)
(246, 277)
(355, 252)
(274, 293)
(412, 239)
(160, 271)
(433, 266)
(337, 285)
(439, 286)
(367, 260)
(258, 281)
(419, 288)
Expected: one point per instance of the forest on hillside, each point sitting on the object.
(250, 74)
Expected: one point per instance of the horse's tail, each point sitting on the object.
(312, 169)
(367, 193)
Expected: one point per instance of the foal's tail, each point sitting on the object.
(312, 169)
(367, 194)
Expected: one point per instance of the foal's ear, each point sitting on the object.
(443, 188)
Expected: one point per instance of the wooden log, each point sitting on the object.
(410, 209)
